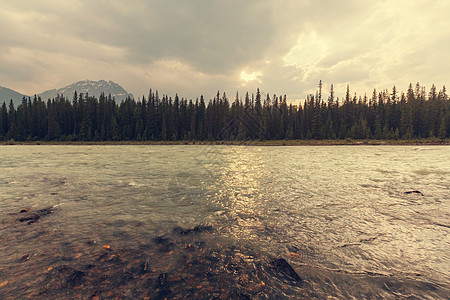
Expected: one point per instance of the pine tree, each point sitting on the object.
(442, 129)
(406, 120)
(3, 120)
(316, 124)
(11, 134)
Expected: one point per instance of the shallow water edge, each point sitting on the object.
(348, 142)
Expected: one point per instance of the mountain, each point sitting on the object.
(92, 88)
(7, 94)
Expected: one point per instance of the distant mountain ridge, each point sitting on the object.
(90, 87)
(6, 95)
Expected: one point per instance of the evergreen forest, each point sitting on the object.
(389, 114)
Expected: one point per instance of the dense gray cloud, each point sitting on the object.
(201, 46)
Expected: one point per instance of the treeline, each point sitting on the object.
(383, 115)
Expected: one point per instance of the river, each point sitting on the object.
(243, 222)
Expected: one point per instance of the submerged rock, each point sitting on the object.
(162, 287)
(29, 216)
(414, 192)
(45, 211)
(285, 268)
(164, 243)
(25, 257)
(62, 279)
(196, 229)
(161, 240)
(142, 268)
(76, 278)
(162, 281)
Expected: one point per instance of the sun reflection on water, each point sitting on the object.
(242, 180)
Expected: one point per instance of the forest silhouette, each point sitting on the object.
(383, 115)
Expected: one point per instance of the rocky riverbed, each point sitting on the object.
(184, 263)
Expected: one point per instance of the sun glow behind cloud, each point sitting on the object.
(197, 47)
(253, 76)
(307, 52)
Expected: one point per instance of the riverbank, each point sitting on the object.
(346, 142)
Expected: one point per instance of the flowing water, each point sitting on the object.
(149, 222)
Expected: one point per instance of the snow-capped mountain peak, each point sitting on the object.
(90, 87)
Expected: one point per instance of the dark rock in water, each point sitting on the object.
(285, 268)
(145, 268)
(76, 278)
(29, 217)
(162, 287)
(163, 294)
(195, 245)
(196, 229)
(45, 211)
(103, 257)
(147, 284)
(25, 257)
(165, 244)
(62, 278)
(96, 294)
(240, 296)
(161, 240)
(141, 269)
(414, 192)
(125, 277)
(162, 281)
(442, 225)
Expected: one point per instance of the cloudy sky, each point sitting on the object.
(201, 46)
